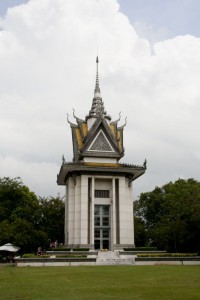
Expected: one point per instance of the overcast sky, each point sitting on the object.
(149, 70)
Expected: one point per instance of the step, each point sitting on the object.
(113, 258)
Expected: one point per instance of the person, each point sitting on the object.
(52, 245)
(10, 258)
(39, 251)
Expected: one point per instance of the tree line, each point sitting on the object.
(26, 220)
(169, 217)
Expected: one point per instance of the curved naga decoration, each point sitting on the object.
(75, 117)
(124, 124)
(145, 163)
(117, 119)
(63, 159)
(69, 121)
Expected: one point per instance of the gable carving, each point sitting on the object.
(101, 144)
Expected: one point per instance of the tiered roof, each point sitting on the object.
(96, 136)
(98, 144)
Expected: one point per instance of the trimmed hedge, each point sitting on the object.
(81, 249)
(61, 249)
(70, 249)
(33, 255)
(70, 255)
(167, 255)
(168, 259)
(141, 249)
(28, 255)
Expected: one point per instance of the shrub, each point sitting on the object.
(61, 249)
(1, 258)
(167, 255)
(141, 249)
(29, 255)
(81, 249)
(33, 255)
(70, 255)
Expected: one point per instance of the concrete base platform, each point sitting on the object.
(114, 258)
(104, 258)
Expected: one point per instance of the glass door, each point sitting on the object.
(102, 227)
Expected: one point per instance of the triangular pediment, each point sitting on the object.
(101, 143)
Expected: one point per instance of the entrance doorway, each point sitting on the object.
(102, 227)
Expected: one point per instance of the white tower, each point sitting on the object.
(99, 204)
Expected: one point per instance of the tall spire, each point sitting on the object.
(97, 92)
(97, 109)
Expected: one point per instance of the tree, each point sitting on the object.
(140, 232)
(27, 221)
(52, 214)
(18, 215)
(16, 200)
(172, 215)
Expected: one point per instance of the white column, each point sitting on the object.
(92, 212)
(113, 215)
(66, 214)
(122, 211)
(84, 210)
(130, 230)
(71, 211)
(125, 213)
(131, 196)
(77, 211)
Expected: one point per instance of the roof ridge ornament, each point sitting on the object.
(124, 123)
(75, 117)
(97, 92)
(145, 164)
(116, 121)
(69, 121)
(97, 109)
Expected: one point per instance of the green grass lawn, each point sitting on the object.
(102, 282)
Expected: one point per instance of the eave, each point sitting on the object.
(70, 169)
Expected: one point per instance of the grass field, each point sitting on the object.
(102, 282)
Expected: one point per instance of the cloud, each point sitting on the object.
(151, 32)
(47, 63)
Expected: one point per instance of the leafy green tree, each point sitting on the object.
(52, 213)
(5, 232)
(140, 232)
(19, 215)
(16, 200)
(25, 235)
(172, 215)
(27, 221)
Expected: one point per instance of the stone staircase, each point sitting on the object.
(114, 258)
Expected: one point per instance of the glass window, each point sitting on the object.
(105, 221)
(97, 221)
(105, 210)
(97, 244)
(105, 244)
(102, 194)
(102, 227)
(97, 233)
(105, 233)
(97, 210)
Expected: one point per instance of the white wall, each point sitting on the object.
(76, 213)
